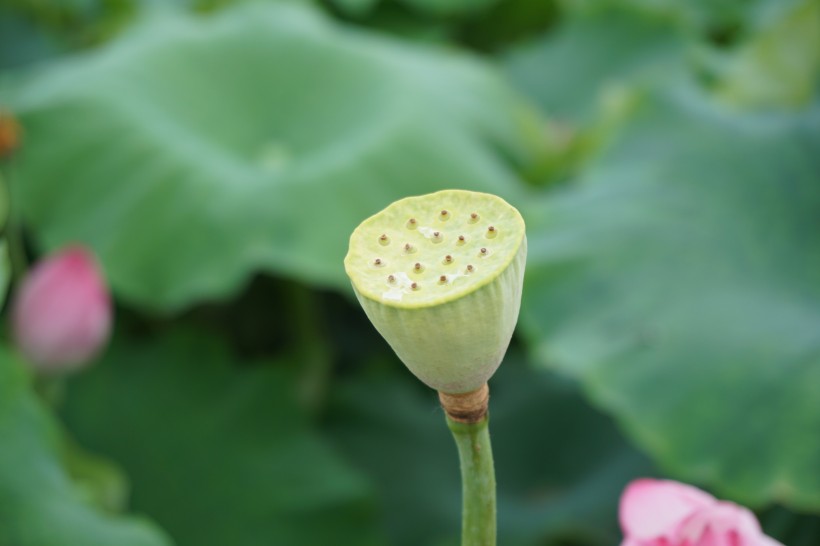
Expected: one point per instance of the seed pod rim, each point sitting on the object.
(352, 270)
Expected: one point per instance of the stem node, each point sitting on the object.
(467, 408)
(467, 419)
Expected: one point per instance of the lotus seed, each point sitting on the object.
(491, 232)
(442, 279)
(448, 259)
(483, 251)
(473, 218)
(384, 239)
(408, 248)
(411, 223)
(469, 268)
(414, 286)
(418, 267)
(377, 261)
(461, 239)
(436, 236)
(444, 215)
(391, 279)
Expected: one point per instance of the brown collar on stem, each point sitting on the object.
(468, 407)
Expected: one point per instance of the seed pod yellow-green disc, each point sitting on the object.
(440, 278)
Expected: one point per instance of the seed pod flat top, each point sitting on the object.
(431, 249)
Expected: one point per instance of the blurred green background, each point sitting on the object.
(216, 155)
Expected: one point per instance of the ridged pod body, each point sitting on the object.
(440, 277)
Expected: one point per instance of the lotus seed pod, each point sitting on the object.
(448, 308)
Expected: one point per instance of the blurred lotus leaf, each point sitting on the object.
(449, 8)
(39, 504)
(196, 150)
(208, 438)
(679, 279)
(573, 70)
(20, 40)
(5, 271)
(355, 7)
(5, 266)
(701, 16)
(780, 65)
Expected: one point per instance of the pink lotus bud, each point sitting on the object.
(62, 312)
(668, 513)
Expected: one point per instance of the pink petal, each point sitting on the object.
(654, 508)
(715, 538)
(632, 542)
(724, 524)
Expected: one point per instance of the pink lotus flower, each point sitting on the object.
(61, 314)
(668, 513)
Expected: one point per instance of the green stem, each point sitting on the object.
(314, 358)
(51, 390)
(13, 230)
(478, 482)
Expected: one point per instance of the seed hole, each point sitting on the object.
(418, 268)
(411, 223)
(391, 279)
(491, 232)
(483, 252)
(461, 240)
(470, 268)
(414, 286)
(442, 279)
(444, 215)
(474, 217)
(437, 237)
(448, 259)
(384, 239)
(408, 248)
(378, 262)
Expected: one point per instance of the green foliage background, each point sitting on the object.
(216, 156)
